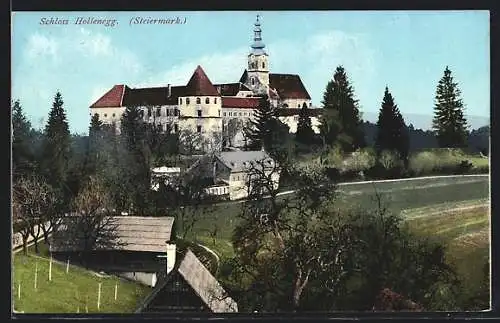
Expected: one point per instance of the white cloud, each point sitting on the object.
(40, 46)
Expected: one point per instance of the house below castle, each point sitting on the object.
(203, 107)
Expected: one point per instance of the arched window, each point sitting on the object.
(198, 101)
(207, 101)
(187, 101)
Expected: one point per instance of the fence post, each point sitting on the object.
(67, 265)
(116, 290)
(50, 268)
(19, 290)
(36, 273)
(99, 297)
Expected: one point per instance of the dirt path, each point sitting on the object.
(213, 253)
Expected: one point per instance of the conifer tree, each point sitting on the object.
(23, 158)
(305, 133)
(392, 131)
(260, 132)
(449, 123)
(95, 145)
(341, 120)
(136, 171)
(56, 145)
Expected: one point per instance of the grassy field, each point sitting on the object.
(464, 229)
(72, 292)
(397, 196)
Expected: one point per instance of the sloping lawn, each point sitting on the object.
(72, 292)
(465, 231)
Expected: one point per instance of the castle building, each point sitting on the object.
(206, 108)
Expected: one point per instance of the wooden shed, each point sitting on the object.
(189, 287)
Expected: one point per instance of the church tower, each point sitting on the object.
(258, 63)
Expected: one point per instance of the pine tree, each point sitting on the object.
(392, 131)
(305, 132)
(94, 145)
(136, 171)
(56, 145)
(341, 120)
(260, 130)
(449, 123)
(23, 158)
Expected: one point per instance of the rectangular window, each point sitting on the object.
(176, 127)
(199, 113)
(198, 128)
(224, 114)
(168, 112)
(149, 112)
(158, 112)
(168, 128)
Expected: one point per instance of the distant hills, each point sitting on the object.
(424, 122)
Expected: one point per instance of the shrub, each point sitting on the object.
(333, 157)
(360, 160)
(390, 159)
(439, 162)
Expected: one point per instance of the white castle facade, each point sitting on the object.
(206, 108)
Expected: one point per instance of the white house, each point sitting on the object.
(230, 171)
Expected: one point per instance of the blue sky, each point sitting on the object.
(405, 50)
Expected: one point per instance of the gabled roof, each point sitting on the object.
(200, 84)
(240, 102)
(289, 86)
(240, 160)
(203, 283)
(133, 233)
(231, 89)
(112, 98)
(244, 76)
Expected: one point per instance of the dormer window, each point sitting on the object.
(198, 101)
(207, 101)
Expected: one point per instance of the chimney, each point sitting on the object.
(170, 257)
(169, 90)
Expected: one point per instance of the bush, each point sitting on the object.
(333, 157)
(360, 161)
(439, 162)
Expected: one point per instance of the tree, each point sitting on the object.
(56, 150)
(23, 158)
(305, 133)
(34, 202)
(233, 128)
(260, 130)
(94, 145)
(449, 123)
(137, 162)
(341, 120)
(392, 132)
(93, 225)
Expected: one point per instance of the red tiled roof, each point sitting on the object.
(230, 89)
(289, 86)
(200, 84)
(286, 112)
(112, 98)
(235, 102)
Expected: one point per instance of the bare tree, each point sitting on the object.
(34, 202)
(233, 127)
(93, 226)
